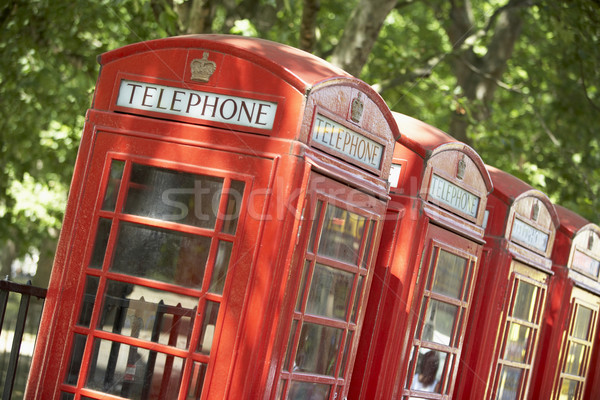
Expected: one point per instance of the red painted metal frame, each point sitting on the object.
(257, 303)
(413, 220)
(494, 293)
(558, 318)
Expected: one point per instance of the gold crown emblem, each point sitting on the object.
(202, 68)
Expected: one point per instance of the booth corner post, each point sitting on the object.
(421, 296)
(222, 225)
(511, 291)
(568, 365)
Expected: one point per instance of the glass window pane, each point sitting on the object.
(357, 297)
(175, 196)
(329, 292)
(112, 187)
(525, 301)
(583, 319)
(308, 390)
(318, 349)
(234, 202)
(302, 286)
(368, 244)
(341, 235)
(510, 379)
(568, 390)
(133, 372)
(102, 233)
(449, 274)
(439, 322)
(286, 363)
(196, 381)
(517, 343)
(161, 254)
(574, 358)
(346, 352)
(148, 314)
(211, 313)
(315, 224)
(219, 275)
(89, 298)
(76, 357)
(428, 374)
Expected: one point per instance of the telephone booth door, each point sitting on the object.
(577, 346)
(169, 248)
(510, 293)
(448, 268)
(335, 251)
(569, 333)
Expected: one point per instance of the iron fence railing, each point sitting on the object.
(18, 326)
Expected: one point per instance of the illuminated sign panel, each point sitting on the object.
(195, 104)
(453, 196)
(529, 235)
(338, 139)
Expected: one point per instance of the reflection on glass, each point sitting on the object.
(368, 244)
(318, 349)
(196, 381)
(574, 358)
(568, 390)
(428, 374)
(234, 202)
(112, 187)
(211, 312)
(510, 379)
(102, 233)
(175, 196)
(89, 298)
(308, 390)
(315, 224)
(288, 352)
(439, 322)
(76, 357)
(147, 314)
(160, 254)
(302, 285)
(357, 297)
(525, 300)
(329, 292)
(346, 351)
(133, 372)
(217, 281)
(582, 323)
(449, 274)
(341, 234)
(517, 343)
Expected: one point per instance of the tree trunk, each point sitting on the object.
(360, 34)
(479, 76)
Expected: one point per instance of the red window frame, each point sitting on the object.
(322, 193)
(177, 157)
(437, 240)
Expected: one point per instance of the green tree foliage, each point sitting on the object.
(538, 61)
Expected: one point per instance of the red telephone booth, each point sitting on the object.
(227, 199)
(510, 292)
(421, 293)
(570, 321)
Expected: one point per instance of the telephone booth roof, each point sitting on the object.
(570, 221)
(300, 69)
(508, 188)
(426, 141)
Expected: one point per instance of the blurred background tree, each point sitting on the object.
(518, 80)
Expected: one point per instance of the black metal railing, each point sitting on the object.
(20, 321)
